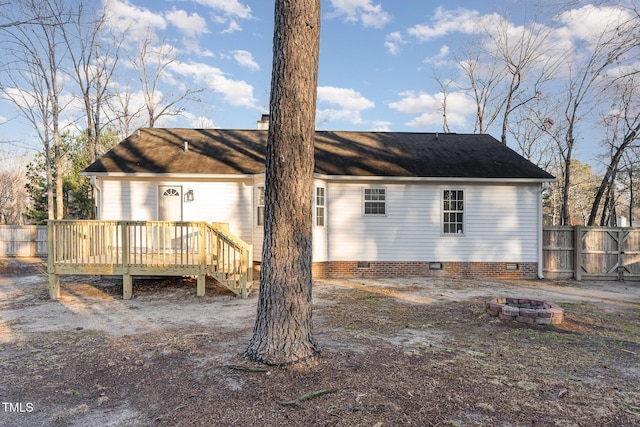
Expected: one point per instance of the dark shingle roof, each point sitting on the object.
(213, 151)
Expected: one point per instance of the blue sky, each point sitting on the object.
(378, 59)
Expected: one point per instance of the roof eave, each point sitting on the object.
(431, 179)
(168, 175)
(322, 176)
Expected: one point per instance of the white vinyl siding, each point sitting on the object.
(500, 221)
(129, 200)
(218, 201)
(500, 224)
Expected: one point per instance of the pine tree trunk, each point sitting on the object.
(283, 332)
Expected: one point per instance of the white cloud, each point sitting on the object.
(228, 7)
(245, 59)
(344, 97)
(626, 71)
(191, 25)
(371, 15)
(392, 42)
(349, 104)
(590, 22)
(450, 21)
(429, 108)
(232, 27)
(192, 45)
(198, 122)
(235, 92)
(440, 58)
(135, 20)
(380, 126)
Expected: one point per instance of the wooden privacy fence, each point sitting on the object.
(595, 253)
(148, 248)
(23, 240)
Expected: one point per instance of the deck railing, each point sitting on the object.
(143, 248)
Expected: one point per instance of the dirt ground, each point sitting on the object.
(414, 352)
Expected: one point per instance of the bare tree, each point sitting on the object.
(13, 195)
(32, 81)
(125, 113)
(506, 70)
(283, 332)
(444, 89)
(484, 79)
(525, 59)
(585, 80)
(94, 55)
(624, 123)
(152, 65)
(531, 140)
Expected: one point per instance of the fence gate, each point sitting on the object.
(607, 253)
(591, 253)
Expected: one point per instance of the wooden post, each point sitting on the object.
(577, 252)
(127, 280)
(202, 261)
(244, 262)
(54, 279)
(54, 286)
(250, 264)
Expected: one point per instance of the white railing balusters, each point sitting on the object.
(147, 248)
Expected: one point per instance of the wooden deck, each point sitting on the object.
(148, 248)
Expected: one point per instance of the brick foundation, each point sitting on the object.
(465, 270)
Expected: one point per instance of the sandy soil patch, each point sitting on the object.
(415, 351)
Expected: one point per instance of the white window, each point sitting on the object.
(260, 205)
(320, 204)
(453, 212)
(375, 201)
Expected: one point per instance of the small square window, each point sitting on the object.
(375, 201)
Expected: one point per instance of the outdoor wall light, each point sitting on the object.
(188, 196)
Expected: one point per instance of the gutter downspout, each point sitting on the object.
(96, 196)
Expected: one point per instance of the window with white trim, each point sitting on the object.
(320, 205)
(375, 201)
(453, 211)
(260, 205)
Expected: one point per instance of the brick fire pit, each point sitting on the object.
(525, 310)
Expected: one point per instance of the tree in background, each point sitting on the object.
(32, 79)
(153, 64)
(616, 40)
(623, 124)
(77, 193)
(283, 331)
(582, 188)
(14, 199)
(94, 56)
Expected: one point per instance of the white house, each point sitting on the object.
(385, 203)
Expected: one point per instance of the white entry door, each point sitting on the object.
(169, 203)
